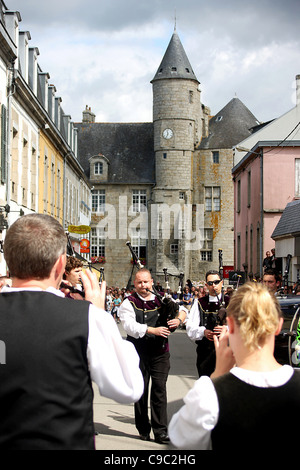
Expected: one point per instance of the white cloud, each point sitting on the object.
(104, 54)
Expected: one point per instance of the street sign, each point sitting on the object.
(81, 229)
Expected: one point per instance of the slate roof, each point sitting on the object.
(129, 148)
(289, 223)
(175, 63)
(230, 126)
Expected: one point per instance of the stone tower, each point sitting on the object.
(177, 120)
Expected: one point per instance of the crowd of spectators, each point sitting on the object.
(190, 292)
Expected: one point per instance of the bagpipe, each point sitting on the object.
(218, 318)
(168, 307)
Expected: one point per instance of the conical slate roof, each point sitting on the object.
(230, 126)
(175, 63)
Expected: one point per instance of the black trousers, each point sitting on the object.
(155, 367)
(206, 357)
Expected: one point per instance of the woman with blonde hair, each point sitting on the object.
(250, 401)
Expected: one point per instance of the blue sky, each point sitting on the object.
(104, 53)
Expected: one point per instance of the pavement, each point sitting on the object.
(114, 422)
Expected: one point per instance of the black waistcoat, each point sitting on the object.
(148, 312)
(253, 417)
(46, 398)
(209, 311)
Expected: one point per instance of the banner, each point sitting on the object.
(79, 229)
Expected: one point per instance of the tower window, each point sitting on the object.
(174, 69)
(206, 256)
(219, 118)
(97, 242)
(138, 242)
(212, 198)
(207, 249)
(139, 200)
(98, 200)
(174, 249)
(165, 155)
(216, 157)
(187, 70)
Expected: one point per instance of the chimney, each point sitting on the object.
(297, 90)
(87, 115)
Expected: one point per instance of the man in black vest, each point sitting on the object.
(146, 323)
(205, 321)
(55, 346)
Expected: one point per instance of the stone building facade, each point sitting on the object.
(166, 185)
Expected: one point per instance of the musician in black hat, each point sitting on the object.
(146, 323)
(205, 320)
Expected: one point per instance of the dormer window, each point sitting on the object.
(98, 168)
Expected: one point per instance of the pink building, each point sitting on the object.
(266, 176)
(265, 181)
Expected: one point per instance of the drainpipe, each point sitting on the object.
(64, 192)
(261, 211)
(11, 91)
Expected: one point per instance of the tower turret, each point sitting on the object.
(177, 130)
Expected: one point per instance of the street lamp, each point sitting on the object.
(242, 149)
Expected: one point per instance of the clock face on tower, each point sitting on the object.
(168, 133)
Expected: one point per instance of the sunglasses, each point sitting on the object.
(216, 282)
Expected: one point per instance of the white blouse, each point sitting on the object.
(190, 428)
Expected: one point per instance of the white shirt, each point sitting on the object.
(128, 318)
(190, 428)
(193, 330)
(113, 362)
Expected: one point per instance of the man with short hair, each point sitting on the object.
(147, 325)
(55, 346)
(205, 321)
(72, 278)
(271, 280)
(73, 270)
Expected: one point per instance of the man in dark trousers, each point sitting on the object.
(55, 346)
(205, 320)
(147, 326)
